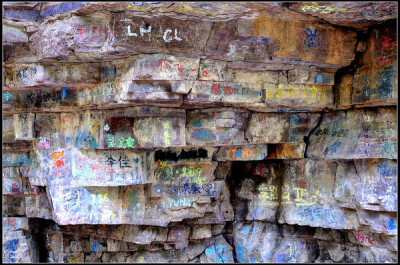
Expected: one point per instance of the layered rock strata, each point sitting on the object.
(199, 132)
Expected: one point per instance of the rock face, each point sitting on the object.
(204, 132)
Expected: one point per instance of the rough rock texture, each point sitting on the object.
(199, 132)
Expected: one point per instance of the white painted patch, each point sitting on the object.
(232, 49)
(131, 33)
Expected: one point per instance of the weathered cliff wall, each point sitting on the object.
(199, 132)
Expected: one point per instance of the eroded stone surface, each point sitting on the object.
(358, 134)
(199, 132)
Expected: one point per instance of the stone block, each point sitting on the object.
(378, 222)
(218, 250)
(93, 257)
(23, 126)
(74, 32)
(96, 246)
(225, 44)
(256, 242)
(205, 92)
(165, 67)
(280, 128)
(310, 76)
(74, 258)
(344, 88)
(368, 239)
(307, 188)
(290, 151)
(56, 97)
(347, 185)
(200, 232)
(15, 223)
(241, 153)
(102, 205)
(13, 206)
(202, 129)
(14, 34)
(378, 188)
(23, 76)
(153, 93)
(190, 172)
(47, 124)
(355, 134)
(256, 77)
(180, 194)
(313, 192)
(321, 216)
(172, 131)
(375, 86)
(104, 93)
(218, 212)
(178, 235)
(164, 34)
(19, 249)
(18, 53)
(381, 51)
(8, 128)
(316, 97)
(117, 132)
(18, 159)
(306, 40)
(12, 181)
(38, 206)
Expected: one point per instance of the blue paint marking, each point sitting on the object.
(240, 253)
(96, 247)
(11, 257)
(246, 229)
(7, 96)
(281, 258)
(255, 39)
(391, 224)
(144, 3)
(385, 86)
(112, 53)
(197, 124)
(63, 96)
(312, 37)
(318, 79)
(12, 245)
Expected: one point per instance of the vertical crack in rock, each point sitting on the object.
(350, 69)
(307, 138)
(209, 39)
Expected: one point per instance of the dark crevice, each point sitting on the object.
(350, 69)
(347, 70)
(38, 227)
(307, 138)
